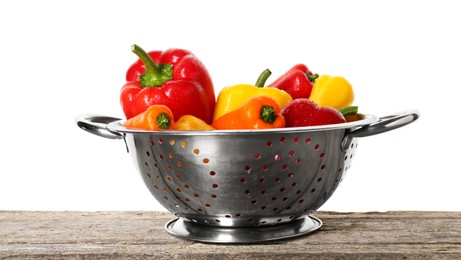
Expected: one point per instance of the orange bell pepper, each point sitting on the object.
(259, 112)
(189, 122)
(156, 117)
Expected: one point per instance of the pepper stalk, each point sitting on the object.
(261, 81)
(268, 114)
(156, 74)
(163, 121)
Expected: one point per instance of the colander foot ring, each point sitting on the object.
(184, 229)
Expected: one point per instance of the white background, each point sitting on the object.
(59, 59)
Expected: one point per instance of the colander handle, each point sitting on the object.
(384, 124)
(97, 125)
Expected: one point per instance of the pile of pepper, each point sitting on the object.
(173, 90)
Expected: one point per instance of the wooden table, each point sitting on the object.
(135, 235)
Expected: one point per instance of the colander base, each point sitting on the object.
(184, 229)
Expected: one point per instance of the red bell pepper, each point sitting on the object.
(305, 112)
(297, 81)
(174, 78)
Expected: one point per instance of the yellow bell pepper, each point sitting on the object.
(232, 97)
(329, 91)
(189, 122)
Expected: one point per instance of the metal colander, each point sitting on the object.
(244, 186)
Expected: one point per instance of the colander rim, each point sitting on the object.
(117, 126)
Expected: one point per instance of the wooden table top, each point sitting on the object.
(135, 235)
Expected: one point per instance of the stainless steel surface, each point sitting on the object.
(384, 124)
(248, 178)
(243, 179)
(96, 124)
(211, 234)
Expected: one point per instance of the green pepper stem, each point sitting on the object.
(155, 74)
(163, 121)
(268, 114)
(312, 77)
(349, 110)
(151, 66)
(261, 81)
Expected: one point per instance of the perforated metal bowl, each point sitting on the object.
(244, 186)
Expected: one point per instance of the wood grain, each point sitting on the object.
(135, 235)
